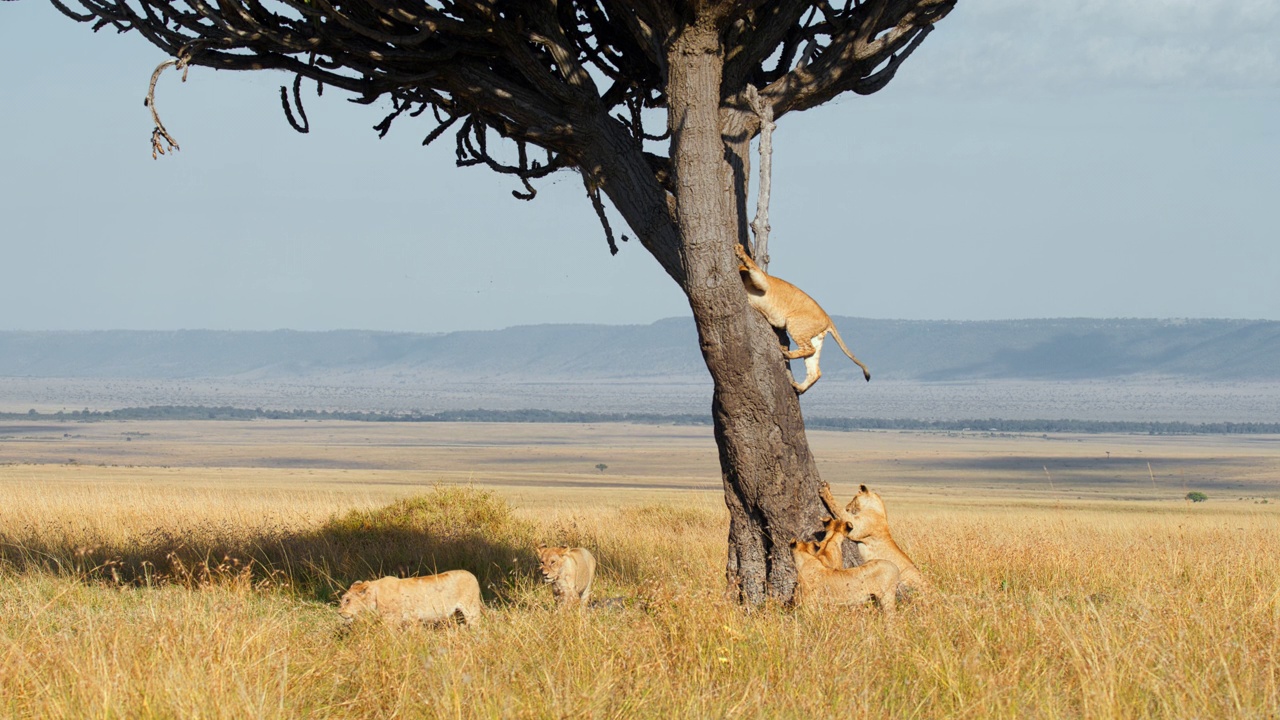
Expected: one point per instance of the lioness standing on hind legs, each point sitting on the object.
(868, 525)
(787, 307)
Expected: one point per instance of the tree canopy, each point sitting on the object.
(540, 73)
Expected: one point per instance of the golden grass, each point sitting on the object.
(1047, 606)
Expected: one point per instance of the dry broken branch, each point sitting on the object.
(161, 140)
(760, 224)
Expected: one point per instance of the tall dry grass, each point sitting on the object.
(1098, 611)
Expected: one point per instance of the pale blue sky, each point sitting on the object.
(1033, 159)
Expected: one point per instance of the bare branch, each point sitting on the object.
(72, 14)
(760, 225)
(160, 137)
(765, 28)
(593, 192)
(867, 45)
(528, 70)
(304, 127)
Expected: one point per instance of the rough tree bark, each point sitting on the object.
(574, 78)
(771, 481)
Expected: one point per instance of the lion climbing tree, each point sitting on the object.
(653, 103)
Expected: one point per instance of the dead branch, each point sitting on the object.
(593, 192)
(760, 224)
(303, 127)
(159, 133)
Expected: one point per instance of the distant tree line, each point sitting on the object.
(1048, 426)
(203, 412)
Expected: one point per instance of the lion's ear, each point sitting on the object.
(863, 488)
(826, 520)
(794, 542)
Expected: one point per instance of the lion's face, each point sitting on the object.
(866, 502)
(869, 517)
(356, 600)
(552, 562)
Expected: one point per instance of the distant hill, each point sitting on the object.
(1059, 349)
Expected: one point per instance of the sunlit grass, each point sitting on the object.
(1112, 610)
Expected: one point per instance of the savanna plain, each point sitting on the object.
(191, 569)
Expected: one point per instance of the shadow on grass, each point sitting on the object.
(449, 528)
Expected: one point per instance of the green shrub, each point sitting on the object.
(1197, 496)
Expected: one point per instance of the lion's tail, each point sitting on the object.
(865, 372)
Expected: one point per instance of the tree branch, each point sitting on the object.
(532, 70)
(866, 39)
(161, 140)
(760, 225)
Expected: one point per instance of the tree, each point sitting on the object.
(578, 80)
(1197, 496)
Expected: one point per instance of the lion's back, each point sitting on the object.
(431, 598)
(856, 585)
(803, 315)
(584, 568)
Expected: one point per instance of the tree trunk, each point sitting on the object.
(770, 479)
(771, 482)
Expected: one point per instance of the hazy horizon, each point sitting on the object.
(1087, 368)
(1170, 320)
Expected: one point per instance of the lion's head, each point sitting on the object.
(869, 515)
(359, 597)
(552, 559)
(866, 501)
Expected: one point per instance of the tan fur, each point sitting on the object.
(569, 571)
(818, 584)
(831, 550)
(869, 527)
(787, 307)
(430, 599)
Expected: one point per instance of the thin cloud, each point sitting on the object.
(1023, 44)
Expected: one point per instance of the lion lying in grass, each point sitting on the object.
(818, 584)
(569, 571)
(869, 527)
(430, 599)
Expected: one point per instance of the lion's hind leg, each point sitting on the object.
(804, 348)
(470, 612)
(589, 567)
(888, 600)
(811, 369)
